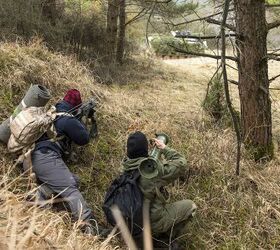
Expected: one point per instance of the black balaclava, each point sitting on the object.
(137, 145)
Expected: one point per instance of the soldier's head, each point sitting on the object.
(73, 97)
(137, 145)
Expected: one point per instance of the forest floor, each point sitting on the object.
(148, 95)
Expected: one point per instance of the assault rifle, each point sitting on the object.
(87, 110)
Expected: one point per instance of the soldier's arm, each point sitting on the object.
(76, 131)
(175, 166)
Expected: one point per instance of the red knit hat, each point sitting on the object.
(73, 97)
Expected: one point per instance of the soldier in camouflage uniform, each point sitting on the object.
(165, 217)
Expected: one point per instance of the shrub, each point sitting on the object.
(166, 46)
(71, 27)
(215, 103)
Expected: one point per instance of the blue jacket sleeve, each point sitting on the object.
(75, 131)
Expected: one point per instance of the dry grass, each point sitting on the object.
(233, 213)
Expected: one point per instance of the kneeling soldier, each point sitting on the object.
(165, 218)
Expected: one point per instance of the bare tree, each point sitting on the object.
(253, 83)
(121, 34)
(251, 29)
(112, 27)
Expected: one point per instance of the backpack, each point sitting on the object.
(29, 125)
(125, 193)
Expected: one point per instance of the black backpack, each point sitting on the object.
(125, 193)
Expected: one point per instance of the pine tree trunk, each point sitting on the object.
(121, 35)
(49, 10)
(253, 77)
(112, 27)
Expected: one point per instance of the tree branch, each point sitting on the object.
(197, 19)
(273, 78)
(270, 80)
(233, 82)
(138, 16)
(272, 57)
(201, 54)
(273, 25)
(234, 117)
(148, 21)
(207, 37)
(272, 5)
(217, 22)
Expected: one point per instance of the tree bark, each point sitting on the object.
(255, 101)
(112, 27)
(121, 35)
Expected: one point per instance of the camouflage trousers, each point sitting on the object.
(171, 218)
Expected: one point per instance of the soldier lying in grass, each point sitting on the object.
(51, 171)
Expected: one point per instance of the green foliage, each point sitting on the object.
(215, 104)
(171, 9)
(174, 9)
(164, 45)
(273, 1)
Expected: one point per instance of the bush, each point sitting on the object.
(69, 26)
(165, 46)
(215, 104)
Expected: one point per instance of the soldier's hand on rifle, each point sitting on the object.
(90, 113)
(159, 144)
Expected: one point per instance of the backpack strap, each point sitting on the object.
(26, 152)
(52, 131)
(63, 114)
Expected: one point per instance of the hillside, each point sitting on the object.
(233, 212)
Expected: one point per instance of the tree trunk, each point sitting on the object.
(121, 36)
(112, 27)
(255, 102)
(52, 10)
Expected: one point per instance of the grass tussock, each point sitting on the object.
(233, 212)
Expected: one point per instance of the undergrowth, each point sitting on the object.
(233, 212)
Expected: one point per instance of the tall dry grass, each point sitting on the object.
(233, 212)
